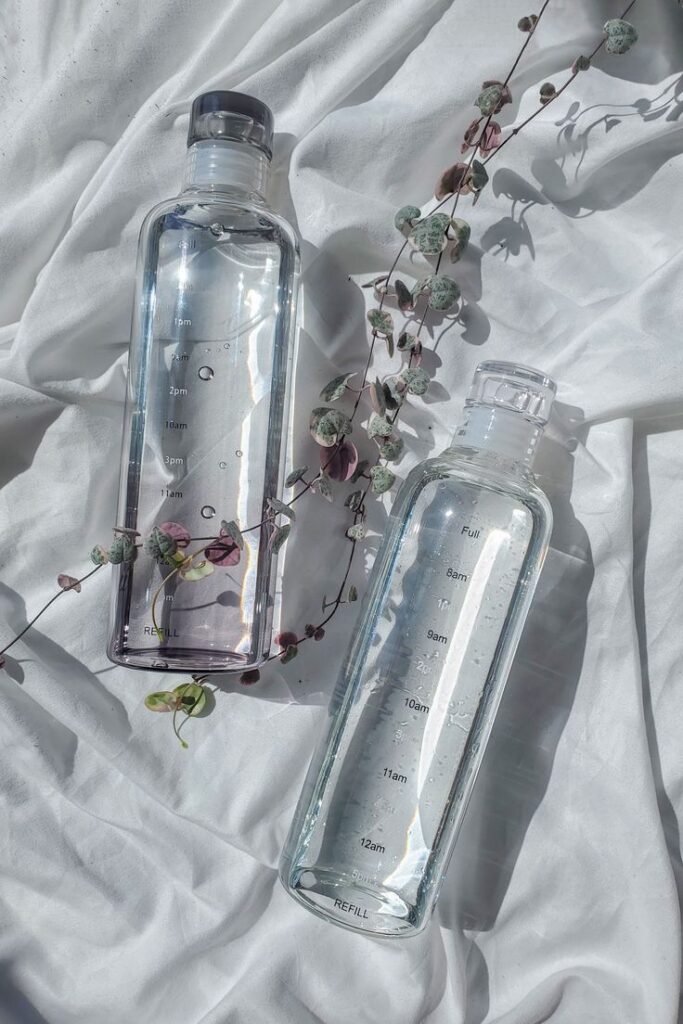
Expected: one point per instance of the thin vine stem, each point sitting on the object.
(62, 590)
(557, 94)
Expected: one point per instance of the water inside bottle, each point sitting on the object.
(414, 704)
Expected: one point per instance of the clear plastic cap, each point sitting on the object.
(221, 116)
(514, 387)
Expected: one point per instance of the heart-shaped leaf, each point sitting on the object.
(323, 488)
(336, 387)
(99, 555)
(341, 463)
(281, 509)
(289, 654)
(416, 379)
(403, 295)
(479, 175)
(381, 322)
(278, 538)
(122, 550)
(68, 582)
(354, 500)
(429, 235)
(405, 217)
(232, 530)
(382, 479)
(392, 448)
(378, 426)
(327, 426)
(356, 532)
(457, 178)
(163, 700)
(353, 593)
(295, 476)
(621, 35)
(377, 397)
(191, 698)
(442, 292)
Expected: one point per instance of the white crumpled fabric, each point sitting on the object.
(138, 879)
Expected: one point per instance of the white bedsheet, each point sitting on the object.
(138, 880)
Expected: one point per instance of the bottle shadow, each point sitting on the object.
(538, 698)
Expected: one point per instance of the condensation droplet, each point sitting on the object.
(216, 230)
(205, 373)
(222, 465)
(208, 512)
(227, 345)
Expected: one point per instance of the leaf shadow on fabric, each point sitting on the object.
(577, 194)
(105, 709)
(535, 706)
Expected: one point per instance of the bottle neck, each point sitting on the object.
(508, 434)
(227, 167)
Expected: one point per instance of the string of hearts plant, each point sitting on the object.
(435, 236)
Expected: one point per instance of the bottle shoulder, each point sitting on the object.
(201, 209)
(462, 470)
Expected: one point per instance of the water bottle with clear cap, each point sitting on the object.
(453, 580)
(208, 384)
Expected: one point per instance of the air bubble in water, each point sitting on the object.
(216, 230)
(205, 373)
(208, 512)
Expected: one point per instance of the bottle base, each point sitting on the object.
(183, 659)
(339, 899)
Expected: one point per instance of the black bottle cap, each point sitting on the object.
(231, 116)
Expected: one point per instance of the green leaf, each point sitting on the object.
(404, 295)
(461, 236)
(382, 479)
(289, 654)
(295, 476)
(162, 700)
(407, 341)
(280, 536)
(390, 345)
(280, 507)
(99, 555)
(378, 426)
(197, 571)
(416, 379)
(429, 235)
(191, 698)
(353, 593)
(356, 532)
(392, 448)
(327, 426)
(354, 500)
(442, 292)
(479, 175)
(233, 531)
(325, 489)
(122, 550)
(489, 99)
(381, 322)
(377, 397)
(621, 35)
(336, 387)
(405, 216)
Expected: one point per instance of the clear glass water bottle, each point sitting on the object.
(453, 580)
(208, 382)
